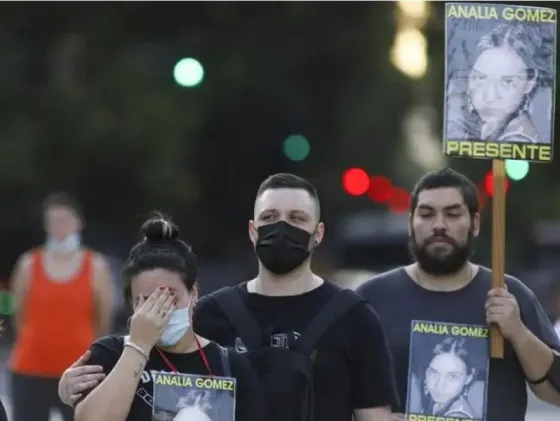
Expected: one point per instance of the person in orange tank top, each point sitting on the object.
(63, 303)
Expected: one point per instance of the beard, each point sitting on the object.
(443, 263)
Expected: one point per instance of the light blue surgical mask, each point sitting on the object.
(176, 328)
(70, 244)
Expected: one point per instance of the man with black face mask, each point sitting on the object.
(320, 351)
(437, 311)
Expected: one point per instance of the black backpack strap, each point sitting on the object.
(224, 357)
(336, 307)
(234, 308)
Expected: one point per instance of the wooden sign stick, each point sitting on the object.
(498, 246)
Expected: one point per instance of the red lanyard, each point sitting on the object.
(202, 354)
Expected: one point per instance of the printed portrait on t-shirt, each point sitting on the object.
(188, 397)
(448, 371)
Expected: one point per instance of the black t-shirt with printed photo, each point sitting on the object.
(427, 329)
(352, 367)
(159, 395)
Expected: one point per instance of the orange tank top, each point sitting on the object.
(57, 320)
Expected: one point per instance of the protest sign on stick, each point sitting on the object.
(500, 81)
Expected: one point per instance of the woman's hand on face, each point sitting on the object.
(151, 317)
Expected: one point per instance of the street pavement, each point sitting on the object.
(538, 411)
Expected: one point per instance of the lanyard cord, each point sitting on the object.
(202, 355)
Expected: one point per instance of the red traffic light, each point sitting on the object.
(380, 189)
(355, 181)
(489, 183)
(399, 201)
(482, 197)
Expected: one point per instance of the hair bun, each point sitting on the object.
(158, 230)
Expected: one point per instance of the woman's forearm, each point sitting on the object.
(112, 399)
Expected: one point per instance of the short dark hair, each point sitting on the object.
(289, 181)
(160, 248)
(447, 178)
(62, 199)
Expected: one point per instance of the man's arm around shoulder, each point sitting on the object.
(210, 321)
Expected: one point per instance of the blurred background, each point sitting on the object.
(187, 107)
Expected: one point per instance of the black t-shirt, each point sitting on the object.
(107, 351)
(501, 394)
(352, 367)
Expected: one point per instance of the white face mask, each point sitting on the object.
(68, 245)
(176, 328)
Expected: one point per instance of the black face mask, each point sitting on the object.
(281, 247)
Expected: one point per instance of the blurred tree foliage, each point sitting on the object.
(89, 106)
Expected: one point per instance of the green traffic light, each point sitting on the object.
(517, 170)
(188, 72)
(296, 147)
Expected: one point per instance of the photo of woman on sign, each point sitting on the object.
(505, 86)
(448, 380)
(196, 406)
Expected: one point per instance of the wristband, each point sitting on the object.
(553, 374)
(538, 381)
(137, 348)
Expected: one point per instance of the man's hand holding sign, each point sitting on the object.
(499, 104)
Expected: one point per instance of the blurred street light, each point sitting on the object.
(423, 144)
(414, 9)
(409, 53)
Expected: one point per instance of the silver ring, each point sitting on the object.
(163, 313)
